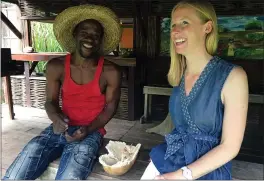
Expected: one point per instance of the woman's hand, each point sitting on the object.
(177, 175)
(159, 177)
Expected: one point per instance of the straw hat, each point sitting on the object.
(66, 21)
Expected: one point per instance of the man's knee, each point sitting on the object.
(80, 163)
(84, 154)
(25, 164)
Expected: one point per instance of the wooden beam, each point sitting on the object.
(12, 1)
(44, 56)
(11, 26)
(153, 39)
(140, 17)
(121, 14)
(37, 18)
(29, 35)
(26, 33)
(32, 68)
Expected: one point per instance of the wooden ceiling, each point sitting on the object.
(31, 9)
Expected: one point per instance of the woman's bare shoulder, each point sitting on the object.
(236, 84)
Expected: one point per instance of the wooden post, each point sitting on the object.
(153, 37)
(141, 9)
(8, 96)
(131, 93)
(32, 68)
(7, 90)
(11, 26)
(261, 125)
(27, 42)
(27, 84)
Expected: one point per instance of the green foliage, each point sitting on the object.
(165, 25)
(254, 25)
(222, 29)
(43, 40)
(165, 44)
(251, 53)
(242, 52)
(255, 37)
(165, 36)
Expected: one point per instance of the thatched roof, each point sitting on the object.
(129, 8)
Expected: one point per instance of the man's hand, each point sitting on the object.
(54, 72)
(78, 135)
(61, 124)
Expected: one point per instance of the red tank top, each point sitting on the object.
(82, 103)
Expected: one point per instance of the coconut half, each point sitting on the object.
(119, 154)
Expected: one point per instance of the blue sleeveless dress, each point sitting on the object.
(198, 120)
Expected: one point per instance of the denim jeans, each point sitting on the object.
(77, 158)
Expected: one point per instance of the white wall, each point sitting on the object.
(8, 38)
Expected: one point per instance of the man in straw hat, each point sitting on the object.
(90, 94)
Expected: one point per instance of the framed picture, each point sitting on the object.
(239, 37)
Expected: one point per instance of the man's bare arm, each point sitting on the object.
(113, 92)
(53, 75)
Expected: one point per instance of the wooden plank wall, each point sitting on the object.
(49, 8)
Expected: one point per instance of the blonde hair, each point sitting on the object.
(205, 12)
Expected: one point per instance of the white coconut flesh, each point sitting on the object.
(119, 154)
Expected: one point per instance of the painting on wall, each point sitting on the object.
(239, 37)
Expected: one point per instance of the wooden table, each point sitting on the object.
(35, 58)
(46, 56)
(26, 57)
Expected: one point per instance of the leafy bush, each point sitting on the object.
(165, 25)
(242, 52)
(255, 37)
(254, 25)
(43, 40)
(222, 29)
(251, 53)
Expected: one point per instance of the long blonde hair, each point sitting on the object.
(206, 12)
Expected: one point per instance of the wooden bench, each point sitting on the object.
(98, 172)
(148, 91)
(240, 169)
(151, 90)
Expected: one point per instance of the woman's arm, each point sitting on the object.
(235, 99)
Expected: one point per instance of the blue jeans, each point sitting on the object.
(77, 158)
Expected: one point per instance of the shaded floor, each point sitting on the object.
(30, 121)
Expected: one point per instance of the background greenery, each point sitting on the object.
(43, 40)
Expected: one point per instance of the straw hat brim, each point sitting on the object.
(67, 20)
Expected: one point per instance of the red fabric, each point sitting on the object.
(82, 103)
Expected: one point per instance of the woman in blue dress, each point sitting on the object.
(208, 105)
